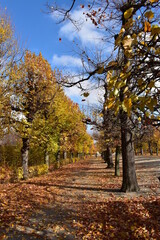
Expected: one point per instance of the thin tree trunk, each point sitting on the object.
(150, 148)
(110, 159)
(129, 183)
(71, 157)
(117, 156)
(46, 158)
(141, 150)
(58, 159)
(64, 155)
(156, 149)
(24, 152)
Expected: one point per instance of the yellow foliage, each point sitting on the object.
(127, 105)
(33, 171)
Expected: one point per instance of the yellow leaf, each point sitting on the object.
(116, 92)
(157, 51)
(149, 14)
(147, 114)
(125, 90)
(152, 103)
(110, 103)
(155, 30)
(126, 66)
(127, 42)
(128, 13)
(112, 63)
(127, 105)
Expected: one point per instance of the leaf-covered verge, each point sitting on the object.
(82, 201)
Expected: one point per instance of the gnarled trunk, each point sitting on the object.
(129, 183)
(24, 152)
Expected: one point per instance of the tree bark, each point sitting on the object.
(108, 157)
(24, 152)
(129, 183)
(117, 156)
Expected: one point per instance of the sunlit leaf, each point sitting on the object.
(128, 13)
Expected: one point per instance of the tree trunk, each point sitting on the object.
(150, 148)
(117, 156)
(129, 183)
(58, 159)
(46, 158)
(141, 150)
(110, 159)
(24, 152)
(157, 149)
(64, 155)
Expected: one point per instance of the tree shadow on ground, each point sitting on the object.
(121, 220)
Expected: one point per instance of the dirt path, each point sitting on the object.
(64, 201)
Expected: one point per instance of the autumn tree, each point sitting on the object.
(9, 54)
(33, 87)
(133, 91)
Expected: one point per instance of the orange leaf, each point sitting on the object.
(147, 27)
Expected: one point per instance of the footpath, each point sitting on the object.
(83, 201)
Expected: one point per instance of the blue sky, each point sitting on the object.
(39, 32)
(36, 30)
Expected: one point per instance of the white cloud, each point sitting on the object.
(75, 94)
(66, 61)
(87, 32)
(88, 36)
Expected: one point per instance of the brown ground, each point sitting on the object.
(82, 201)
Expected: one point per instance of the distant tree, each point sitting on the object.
(33, 87)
